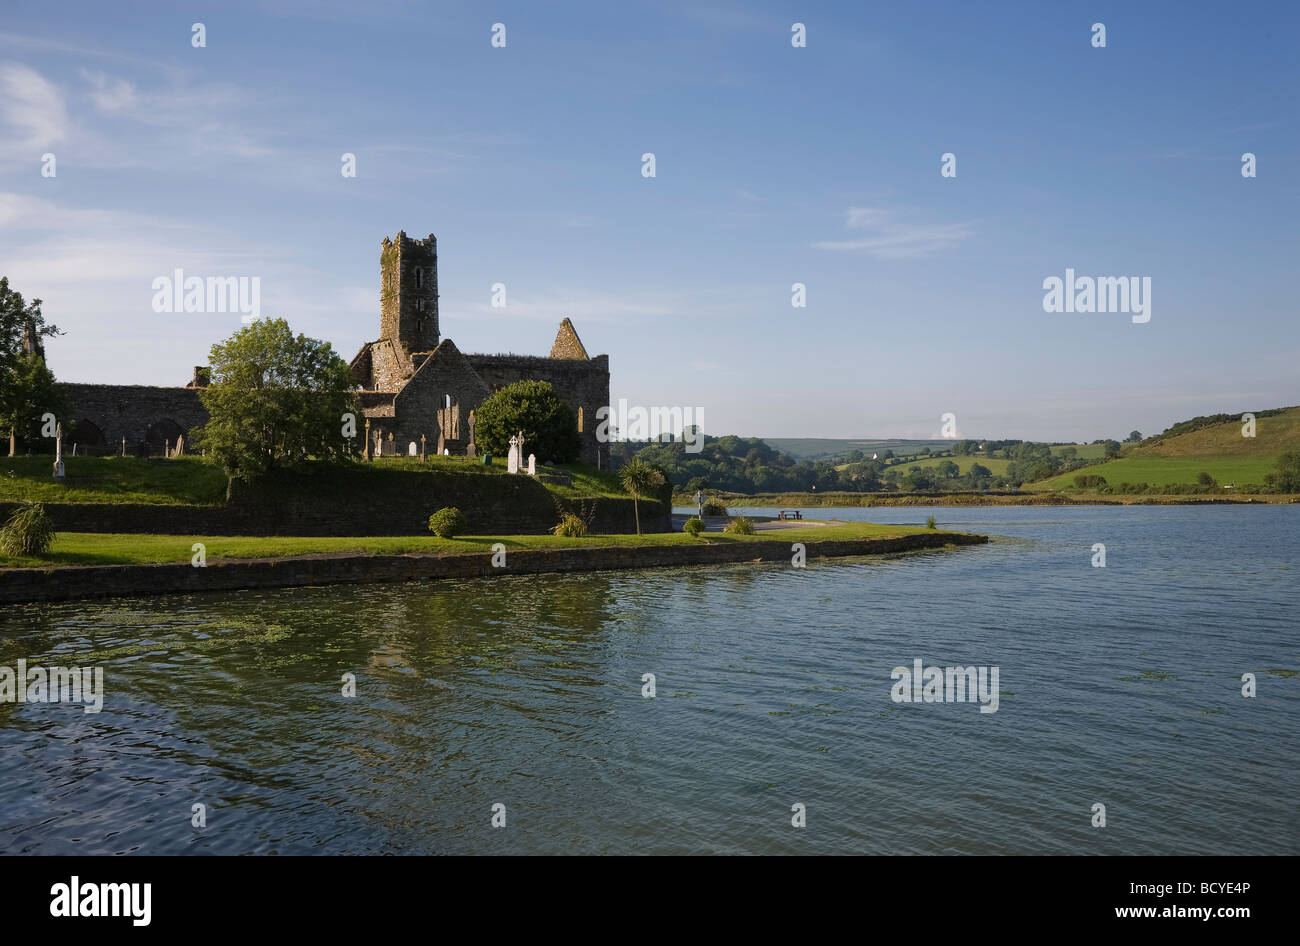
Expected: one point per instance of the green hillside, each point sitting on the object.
(1218, 449)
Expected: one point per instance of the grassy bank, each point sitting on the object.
(194, 480)
(89, 548)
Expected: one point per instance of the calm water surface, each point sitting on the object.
(1119, 685)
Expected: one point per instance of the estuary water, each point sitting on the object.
(521, 698)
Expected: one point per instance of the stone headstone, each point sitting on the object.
(512, 460)
(180, 445)
(471, 451)
(58, 453)
(410, 449)
(532, 464)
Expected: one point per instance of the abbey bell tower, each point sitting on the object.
(408, 292)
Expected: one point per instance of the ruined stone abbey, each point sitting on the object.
(411, 381)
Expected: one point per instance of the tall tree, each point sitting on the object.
(274, 399)
(26, 385)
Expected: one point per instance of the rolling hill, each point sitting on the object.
(1218, 449)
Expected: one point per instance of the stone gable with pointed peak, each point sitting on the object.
(568, 345)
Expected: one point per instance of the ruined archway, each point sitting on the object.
(88, 437)
(161, 434)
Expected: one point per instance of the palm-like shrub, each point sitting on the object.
(693, 525)
(638, 478)
(28, 532)
(570, 526)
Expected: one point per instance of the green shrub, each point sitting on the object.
(28, 531)
(741, 525)
(929, 523)
(570, 526)
(549, 425)
(447, 523)
(1089, 481)
(694, 525)
(712, 508)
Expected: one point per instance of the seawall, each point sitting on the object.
(73, 582)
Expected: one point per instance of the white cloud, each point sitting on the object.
(887, 237)
(33, 116)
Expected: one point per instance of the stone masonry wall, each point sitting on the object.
(132, 411)
(510, 505)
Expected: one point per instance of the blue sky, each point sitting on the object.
(774, 165)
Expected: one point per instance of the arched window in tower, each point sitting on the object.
(419, 305)
(419, 278)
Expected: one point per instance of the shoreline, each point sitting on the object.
(77, 582)
(1019, 499)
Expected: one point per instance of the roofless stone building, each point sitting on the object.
(412, 381)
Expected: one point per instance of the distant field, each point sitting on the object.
(1220, 451)
(1084, 451)
(997, 467)
(815, 448)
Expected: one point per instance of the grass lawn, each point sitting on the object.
(90, 548)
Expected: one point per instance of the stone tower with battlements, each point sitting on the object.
(408, 292)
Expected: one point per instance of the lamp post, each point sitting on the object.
(699, 502)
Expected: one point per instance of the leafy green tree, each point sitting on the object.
(1287, 477)
(1133, 437)
(549, 426)
(696, 483)
(274, 399)
(1110, 448)
(639, 478)
(26, 385)
(27, 392)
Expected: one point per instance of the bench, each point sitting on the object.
(790, 514)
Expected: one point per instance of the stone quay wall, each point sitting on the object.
(18, 585)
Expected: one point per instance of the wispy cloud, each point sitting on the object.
(110, 94)
(33, 116)
(885, 236)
